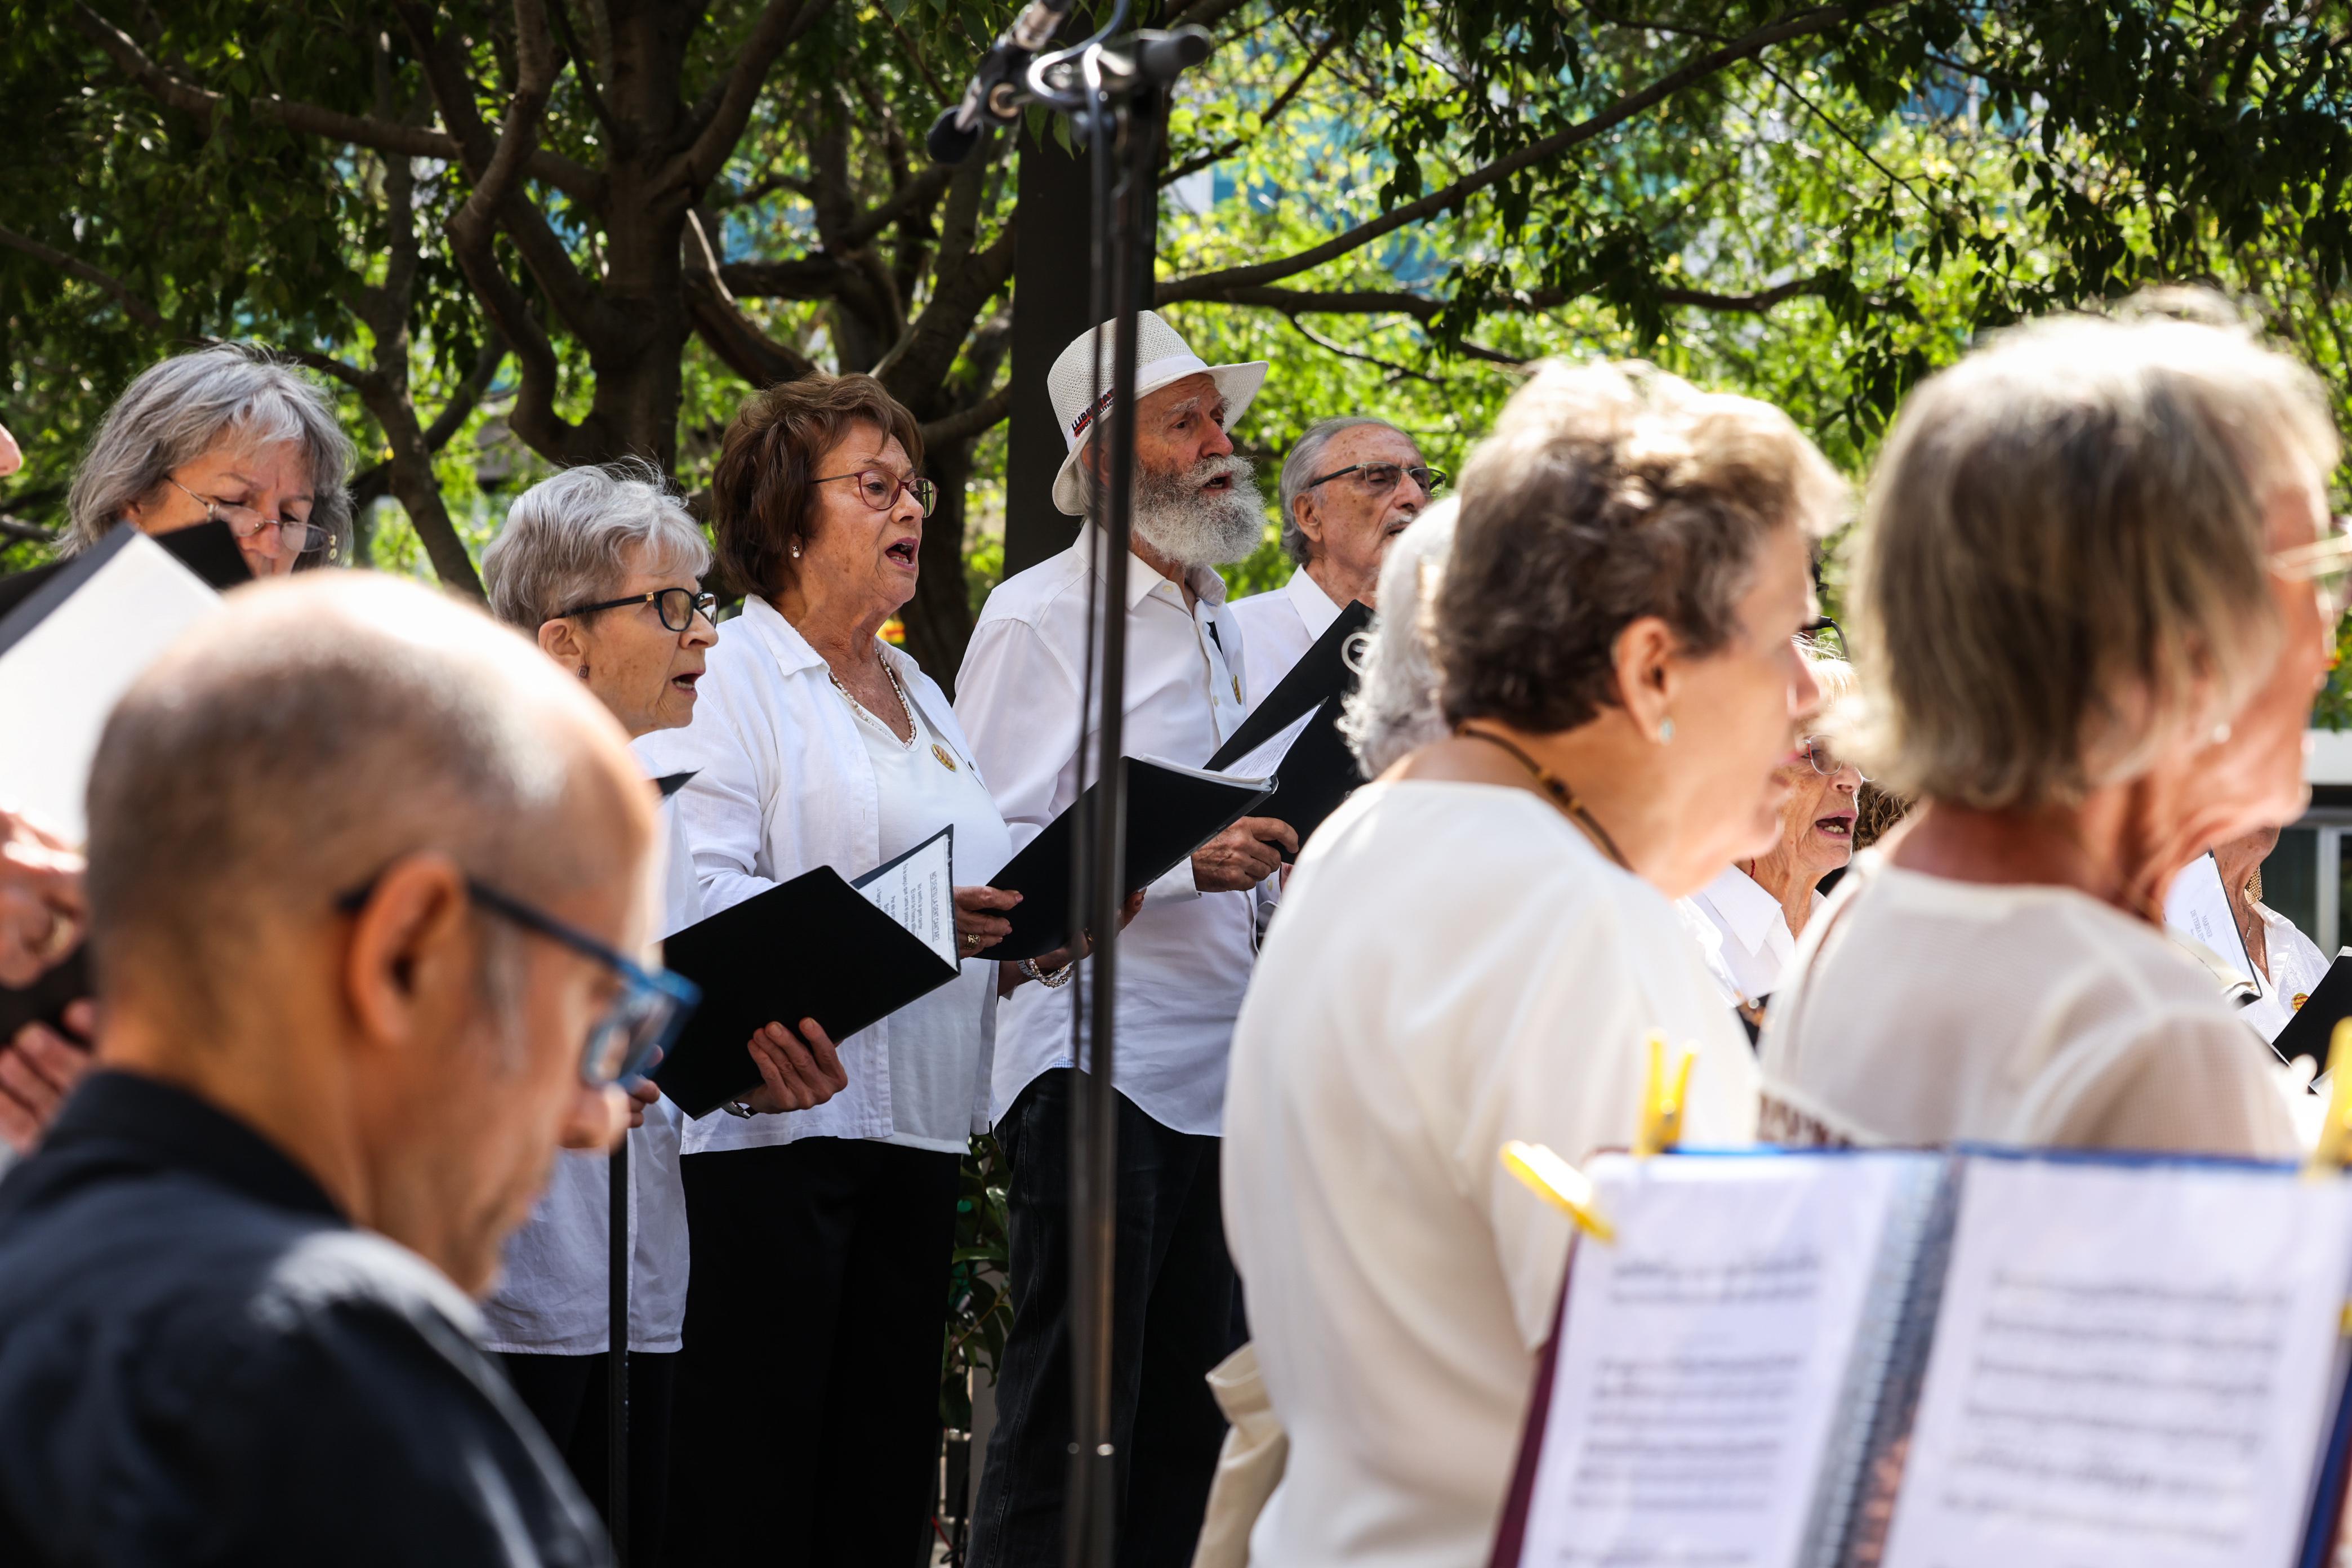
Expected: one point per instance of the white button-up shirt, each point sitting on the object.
(783, 784)
(1280, 626)
(554, 1295)
(1185, 962)
(1756, 945)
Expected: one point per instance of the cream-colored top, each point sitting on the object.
(1454, 966)
(1922, 1010)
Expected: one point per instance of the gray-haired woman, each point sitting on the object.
(603, 567)
(1475, 947)
(2089, 634)
(226, 433)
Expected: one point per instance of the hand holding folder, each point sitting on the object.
(817, 948)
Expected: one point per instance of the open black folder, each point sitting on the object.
(1170, 811)
(1321, 674)
(2306, 1034)
(1317, 774)
(814, 947)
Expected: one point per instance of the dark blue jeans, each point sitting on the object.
(1177, 1314)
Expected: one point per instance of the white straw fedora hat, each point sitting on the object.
(1161, 360)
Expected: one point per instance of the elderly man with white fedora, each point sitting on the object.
(1348, 486)
(1184, 961)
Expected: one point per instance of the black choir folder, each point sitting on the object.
(1294, 734)
(1321, 673)
(1905, 1360)
(1170, 811)
(2306, 1034)
(819, 946)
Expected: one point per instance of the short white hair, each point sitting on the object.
(567, 540)
(1299, 472)
(1393, 708)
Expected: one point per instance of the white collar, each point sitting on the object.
(1748, 910)
(793, 652)
(1206, 585)
(1314, 605)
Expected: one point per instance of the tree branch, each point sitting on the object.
(781, 22)
(1215, 155)
(1207, 285)
(802, 277)
(133, 305)
(203, 105)
(918, 193)
(966, 423)
(734, 337)
(1422, 308)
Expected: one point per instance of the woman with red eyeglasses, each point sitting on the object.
(806, 1427)
(1748, 918)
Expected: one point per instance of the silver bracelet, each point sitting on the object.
(1052, 980)
(737, 1108)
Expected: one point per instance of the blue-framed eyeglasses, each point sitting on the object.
(643, 1020)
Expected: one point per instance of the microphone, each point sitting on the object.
(992, 93)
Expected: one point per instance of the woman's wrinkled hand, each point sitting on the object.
(980, 919)
(37, 1069)
(799, 1071)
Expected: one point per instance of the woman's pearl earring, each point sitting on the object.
(797, 549)
(1665, 731)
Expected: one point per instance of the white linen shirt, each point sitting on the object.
(1756, 946)
(554, 1290)
(1186, 960)
(1279, 626)
(2296, 967)
(1456, 966)
(783, 784)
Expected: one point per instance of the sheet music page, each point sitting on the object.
(1704, 1358)
(2196, 907)
(2132, 1367)
(918, 891)
(60, 684)
(1266, 760)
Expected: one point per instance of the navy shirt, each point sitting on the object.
(203, 1361)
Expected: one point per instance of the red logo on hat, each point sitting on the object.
(1078, 426)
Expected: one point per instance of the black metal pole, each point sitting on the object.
(616, 1361)
(1129, 139)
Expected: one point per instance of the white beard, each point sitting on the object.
(1193, 527)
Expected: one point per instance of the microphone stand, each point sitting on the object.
(1116, 99)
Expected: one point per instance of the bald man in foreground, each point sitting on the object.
(353, 851)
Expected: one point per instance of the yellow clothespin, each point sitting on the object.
(1662, 1102)
(2336, 1132)
(1561, 1183)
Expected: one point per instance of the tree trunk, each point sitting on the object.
(1052, 304)
(938, 618)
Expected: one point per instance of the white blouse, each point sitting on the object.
(1454, 966)
(1754, 944)
(939, 1066)
(554, 1295)
(782, 784)
(2296, 967)
(1922, 1010)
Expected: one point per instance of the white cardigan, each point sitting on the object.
(782, 784)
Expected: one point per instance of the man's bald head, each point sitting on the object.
(316, 728)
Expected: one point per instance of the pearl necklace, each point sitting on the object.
(914, 729)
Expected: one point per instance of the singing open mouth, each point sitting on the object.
(1838, 825)
(903, 551)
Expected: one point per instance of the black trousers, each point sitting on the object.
(569, 1394)
(807, 1427)
(1177, 1313)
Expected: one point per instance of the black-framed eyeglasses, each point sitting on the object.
(1814, 634)
(643, 1020)
(1379, 478)
(1817, 751)
(282, 536)
(879, 488)
(676, 606)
